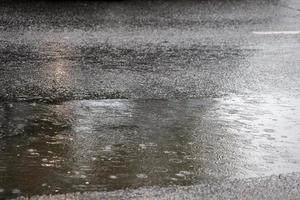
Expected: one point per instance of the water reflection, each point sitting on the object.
(114, 144)
(269, 126)
(101, 145)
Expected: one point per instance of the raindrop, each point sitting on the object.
(1, 190)
(186, 173)
(169, 152)
(113, 177)
(180, 175)
(142, 146)
(87, 183)
(143, 176)
(44, 160)
(35, 154)
(47, 165)
(31, 150)
(44, 184)
(94, 158)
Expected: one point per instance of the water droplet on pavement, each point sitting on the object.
(142, 146)
(180, 175)
(31, 150)
(143, 176)
(107, 148)
(113, 177)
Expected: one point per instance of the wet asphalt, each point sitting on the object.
(202, 90)
(56, 51)
(265, 188)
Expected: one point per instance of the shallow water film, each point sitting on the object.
(114, 144)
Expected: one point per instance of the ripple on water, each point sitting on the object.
(33, 152)
(180, 175)
(142, 176)
(186, 173)
(169, 152)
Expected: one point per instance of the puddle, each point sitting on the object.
(114, 144)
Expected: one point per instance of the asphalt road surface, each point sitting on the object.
(147, 49)
(273, 187)
(159, 95)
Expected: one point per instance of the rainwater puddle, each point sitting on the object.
(115, 144)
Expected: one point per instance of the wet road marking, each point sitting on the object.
(276, 32)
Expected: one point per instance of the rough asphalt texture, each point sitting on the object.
(146, 49)
(273, 187)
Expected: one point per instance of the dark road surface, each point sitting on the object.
(196, 91)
